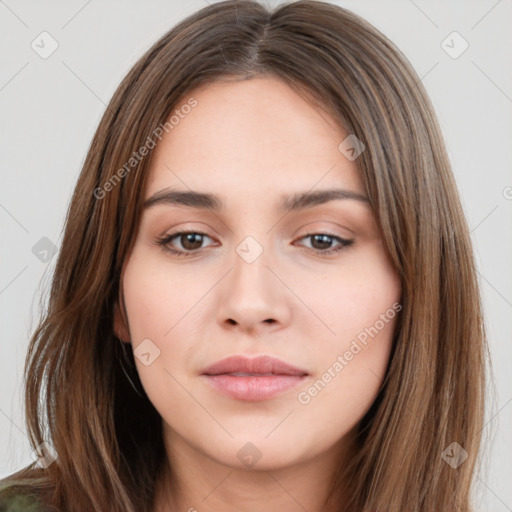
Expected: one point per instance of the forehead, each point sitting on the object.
(257, 135)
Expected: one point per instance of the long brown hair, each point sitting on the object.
(78, 393)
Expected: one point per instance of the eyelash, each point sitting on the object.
(165, 240)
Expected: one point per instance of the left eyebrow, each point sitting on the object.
(303, 200)
(294, 202)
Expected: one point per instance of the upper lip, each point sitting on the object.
(257, 365)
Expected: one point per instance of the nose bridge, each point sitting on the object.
(252, 294)
(250, 277)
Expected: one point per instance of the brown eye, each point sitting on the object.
(321, 243)
(189, 242)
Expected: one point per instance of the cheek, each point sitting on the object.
(156, 300)
(360, 304)
(359, 296)
(165, 308)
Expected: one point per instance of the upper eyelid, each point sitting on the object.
(310, 233)
(315, 230)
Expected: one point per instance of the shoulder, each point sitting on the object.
(19, 502)
(22, 498)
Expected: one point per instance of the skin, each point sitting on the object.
(249, 142)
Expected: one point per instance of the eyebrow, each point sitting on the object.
(294, 202)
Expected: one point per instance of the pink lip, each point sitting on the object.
(257, 385)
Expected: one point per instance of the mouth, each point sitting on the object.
(253, 379)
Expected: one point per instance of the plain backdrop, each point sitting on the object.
(50, 108)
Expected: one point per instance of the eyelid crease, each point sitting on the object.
(165, 240)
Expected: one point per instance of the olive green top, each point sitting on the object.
(20, 503)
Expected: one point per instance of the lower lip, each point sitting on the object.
(253, 388)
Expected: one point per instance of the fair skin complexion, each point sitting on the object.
(250, 143)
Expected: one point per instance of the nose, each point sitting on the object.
(252, 297)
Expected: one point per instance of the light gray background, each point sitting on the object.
(50, 109)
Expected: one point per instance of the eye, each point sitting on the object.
(190, 242)
(321, 241)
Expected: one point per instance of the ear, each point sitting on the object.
(120, 325)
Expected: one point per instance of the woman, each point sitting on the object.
(265, 295)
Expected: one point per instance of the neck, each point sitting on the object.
(198, 483)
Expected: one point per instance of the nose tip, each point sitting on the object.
(252, 302)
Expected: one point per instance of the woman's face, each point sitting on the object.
(310, 284)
